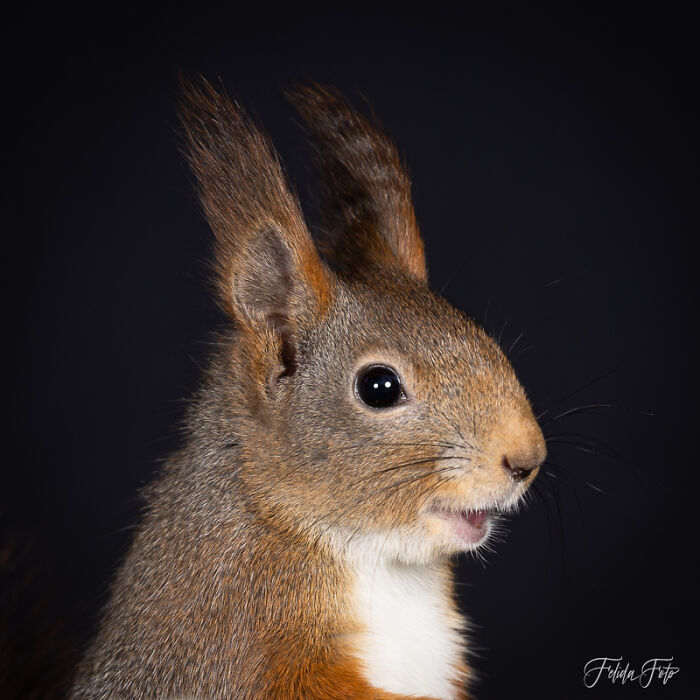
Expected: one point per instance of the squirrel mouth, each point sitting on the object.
(470, 526)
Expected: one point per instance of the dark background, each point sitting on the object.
(550, 158)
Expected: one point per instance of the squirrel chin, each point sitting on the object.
(440, 534)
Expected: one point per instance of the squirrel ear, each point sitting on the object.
(366, 207)
(267, 268)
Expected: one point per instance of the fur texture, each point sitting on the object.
(278, 543)
(365, 192)
(411, 640)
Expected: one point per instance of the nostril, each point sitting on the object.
(519, 469)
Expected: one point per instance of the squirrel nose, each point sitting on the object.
(521, 463)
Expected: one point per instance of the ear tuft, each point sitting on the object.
(366, 208)
(265, 261)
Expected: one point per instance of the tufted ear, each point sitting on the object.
(268, 272)
(366, 208)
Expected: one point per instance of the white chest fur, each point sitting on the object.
(410, 642)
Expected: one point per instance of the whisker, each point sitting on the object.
(561, 530)
(515, 342)
(421, 461)
(397, 485)
(536, 490)
(500, 335)
(306, 463)
(413, 479)
(522, 352)
(486, 312)
(400, 444)
(594, 447)
(467, 444)
(579, 409)
(582, 448)
(562, 474)
(596, 488)
(454, 273)
(579, 390)
(591, 407)
(583, 440)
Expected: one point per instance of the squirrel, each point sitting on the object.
(352, 434)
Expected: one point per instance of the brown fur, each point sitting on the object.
(365, 193)
(238, 583)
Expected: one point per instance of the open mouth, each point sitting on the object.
(470, 526)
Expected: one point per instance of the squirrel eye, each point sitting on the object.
(379, 387)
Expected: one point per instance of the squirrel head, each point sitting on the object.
(368, 412)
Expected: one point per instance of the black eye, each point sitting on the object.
(379, 387)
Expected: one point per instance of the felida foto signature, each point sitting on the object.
(615, 669)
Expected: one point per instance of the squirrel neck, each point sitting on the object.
(214, 596)
(207, 581)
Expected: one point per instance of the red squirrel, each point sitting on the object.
(353, 433)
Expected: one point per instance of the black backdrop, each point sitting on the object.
(551, 173)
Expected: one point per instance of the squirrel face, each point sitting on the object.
(370, 414)
(420, 475)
